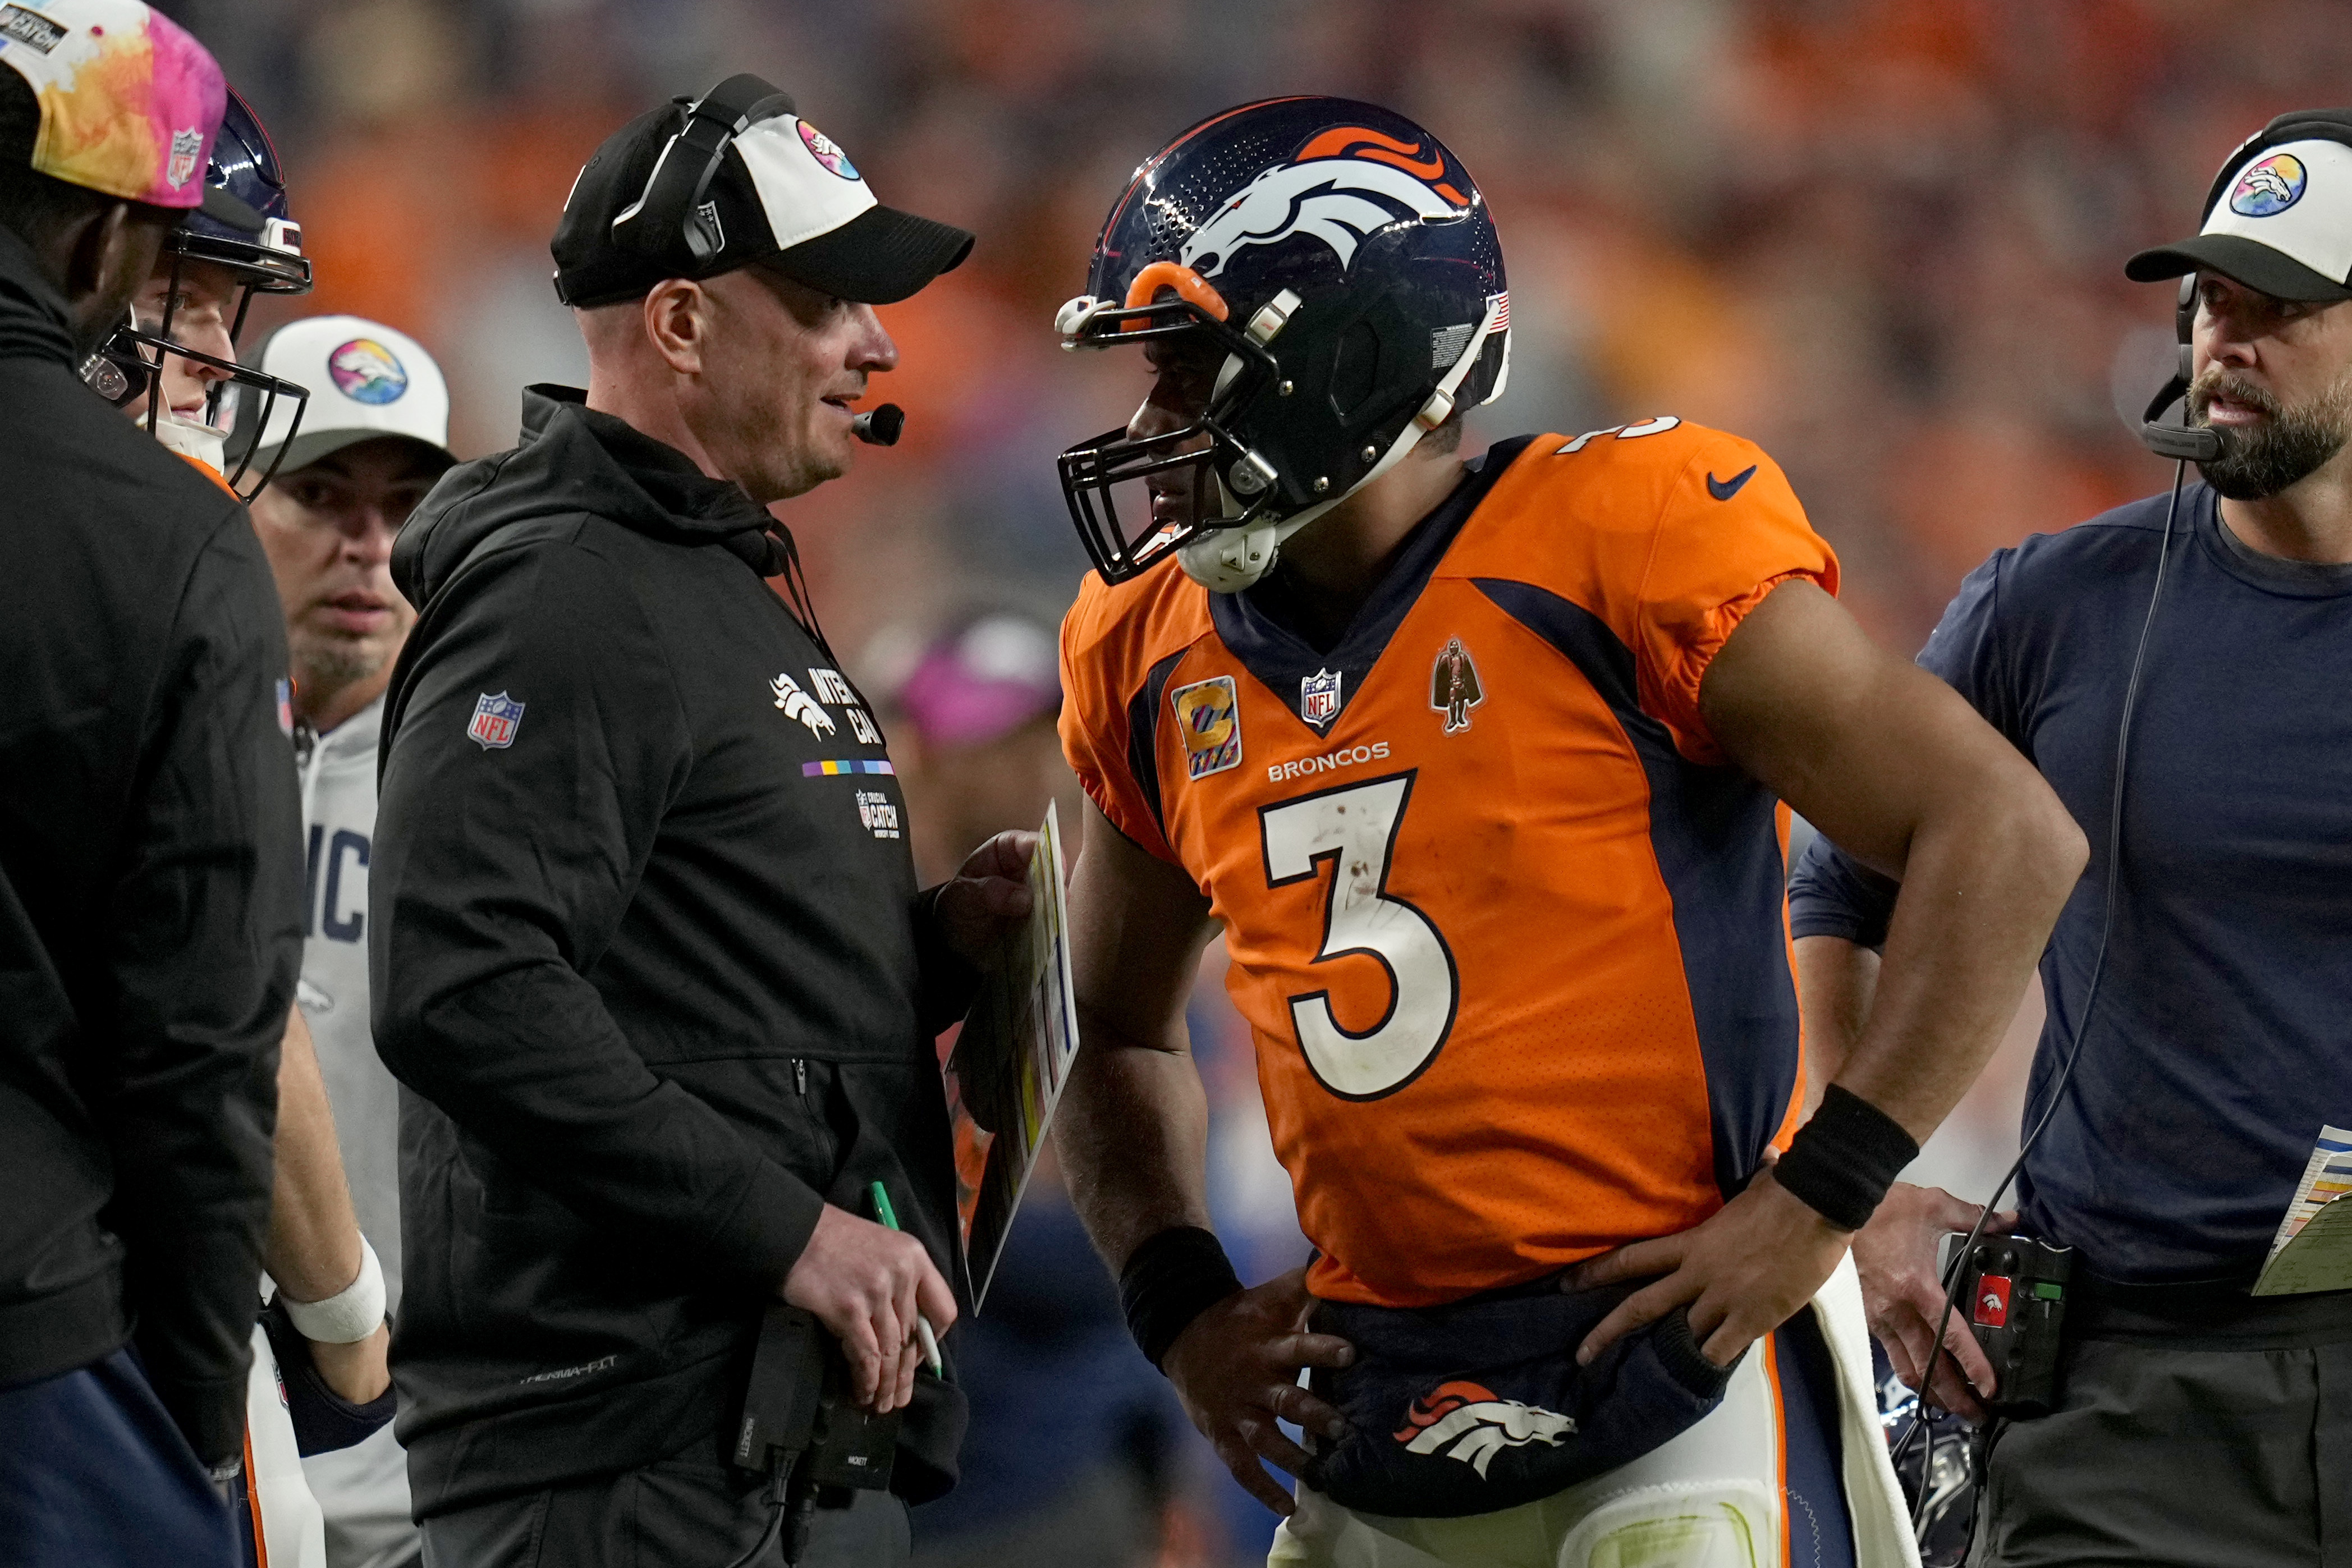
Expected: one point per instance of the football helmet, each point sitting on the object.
(130, 365)
(1345, 265)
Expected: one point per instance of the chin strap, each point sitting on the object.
(197, 442)
(1231, 559)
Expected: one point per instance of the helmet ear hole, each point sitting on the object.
(1355, 368)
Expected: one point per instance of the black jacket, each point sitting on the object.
(650, 968)
(151, 890)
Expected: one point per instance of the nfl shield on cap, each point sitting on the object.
(2282, 224)
(129, 103)
(366, 380)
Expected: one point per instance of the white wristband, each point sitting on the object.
(352, 1315)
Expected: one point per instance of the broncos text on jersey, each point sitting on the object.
(1509, 932)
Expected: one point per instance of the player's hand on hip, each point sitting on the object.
(1236, 1367)
(989, 899)
(867, 1284)
(1743, 1271)
(1896, 1256)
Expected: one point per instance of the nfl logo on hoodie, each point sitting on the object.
(495, 719)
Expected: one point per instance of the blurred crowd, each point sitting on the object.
(1884, 238)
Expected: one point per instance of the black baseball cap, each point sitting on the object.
(784, 195)
(2279, 217)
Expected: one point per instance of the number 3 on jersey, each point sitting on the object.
(1355, 828)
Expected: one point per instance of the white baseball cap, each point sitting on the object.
(2280, 216)
(365, 380)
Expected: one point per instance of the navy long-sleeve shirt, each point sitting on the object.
(2222, 1040)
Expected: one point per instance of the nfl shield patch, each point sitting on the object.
(495, 719)
(1209, 718)
(187, 147)
(1319, 696)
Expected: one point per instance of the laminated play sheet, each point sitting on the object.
(1010, 1062)
(2313, 1250)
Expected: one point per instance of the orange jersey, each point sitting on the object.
(1509, 934)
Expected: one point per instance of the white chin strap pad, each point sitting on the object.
(1232, 559)
(190, 439)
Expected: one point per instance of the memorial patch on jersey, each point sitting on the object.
(496, 720)
(1208, 716)
(1454, 687)
(1319, 696)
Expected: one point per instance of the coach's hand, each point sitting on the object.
(866, 1283)
(988, 897)
(1236, 1367)
(1743, 1271)
(1896, 1256)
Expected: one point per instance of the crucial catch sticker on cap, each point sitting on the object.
(2269, 187)
(29, 27)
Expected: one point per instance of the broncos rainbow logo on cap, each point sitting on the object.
(2269, 187)
(367, 372)
(827, 152)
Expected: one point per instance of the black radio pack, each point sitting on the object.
(803, 1430)
(2013, 1290)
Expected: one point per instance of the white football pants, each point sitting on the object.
(1716, 1496)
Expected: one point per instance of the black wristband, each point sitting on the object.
(1842, 1161)
(1170, 1279)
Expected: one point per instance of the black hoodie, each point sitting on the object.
(647, 950)
(151, 890)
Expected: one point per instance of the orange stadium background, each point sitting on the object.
(1882, 237)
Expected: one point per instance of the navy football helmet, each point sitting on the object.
(130, 363)
(1345, 265)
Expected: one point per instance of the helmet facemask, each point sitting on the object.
(131, 365)
(1347, 266)
(1228, 482)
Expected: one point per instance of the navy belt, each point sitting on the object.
(2203, 1314)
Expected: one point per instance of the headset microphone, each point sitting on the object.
(879, 425)
(2184, 442)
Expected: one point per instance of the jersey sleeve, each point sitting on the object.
(1833, 894)
(1107, 718)
(1730, 531)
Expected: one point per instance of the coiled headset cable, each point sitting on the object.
(1957, 1268)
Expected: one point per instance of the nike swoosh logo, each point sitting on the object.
(1723, 489)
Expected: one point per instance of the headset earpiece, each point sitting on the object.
(666, 210)
(2184, 328)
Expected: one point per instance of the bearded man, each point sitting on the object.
(2195, 1422)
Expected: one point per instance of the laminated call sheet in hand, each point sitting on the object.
(1006, 1073)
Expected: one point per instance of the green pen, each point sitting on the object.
(890, 1218)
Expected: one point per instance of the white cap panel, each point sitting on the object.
(365, 379)
(807, 185)
(2296, 198)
